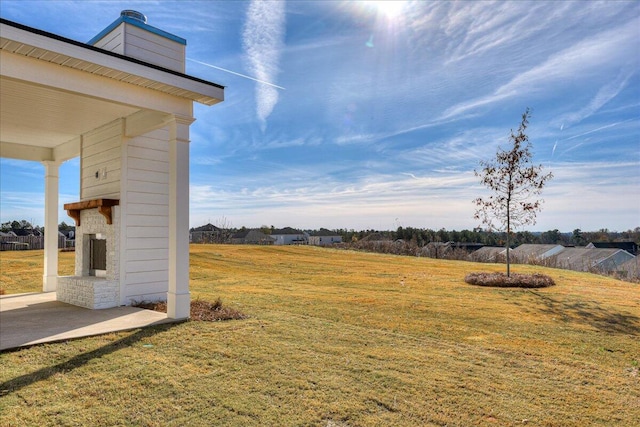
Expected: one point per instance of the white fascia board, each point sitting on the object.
(210, 93)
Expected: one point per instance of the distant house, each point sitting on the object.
(534, 253)
(436, 249)
(208, 233)
(629, 270)
(288, 236)
(468, 247)
(489, 254)
(592, 259)
(26, 231)
(251, 237)
(324, 237)
(69, 234)
(447, 249)
(630, 247)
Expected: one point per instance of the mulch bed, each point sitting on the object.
(200, 310)
(501, 280)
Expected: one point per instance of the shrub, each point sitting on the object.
(501, 280)
(200, 310)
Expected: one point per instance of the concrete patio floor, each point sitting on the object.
(28, 319)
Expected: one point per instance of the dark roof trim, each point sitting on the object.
(105, 52)
(323, 232)
(286, 231)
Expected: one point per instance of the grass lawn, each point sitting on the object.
(338, 338)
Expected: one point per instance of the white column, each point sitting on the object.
(178, 297)
(50, 277)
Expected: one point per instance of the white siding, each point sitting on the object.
(144, 45)
(288, 239)
(101, 155)
(324, 240)
(153, 48)
(113, 41)
(146, 247)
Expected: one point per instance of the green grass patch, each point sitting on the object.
(339, 338)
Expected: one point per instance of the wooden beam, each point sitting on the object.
(103, 206)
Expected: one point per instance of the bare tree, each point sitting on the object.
(225, 225)
(513, 180)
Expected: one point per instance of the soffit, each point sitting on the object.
(41, 116)
(45, 116)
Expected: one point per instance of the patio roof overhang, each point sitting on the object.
(53, 89)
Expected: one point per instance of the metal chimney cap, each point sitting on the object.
(134, 14)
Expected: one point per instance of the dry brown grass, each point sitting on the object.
(21, 271)
(339, 338)
(501, 280)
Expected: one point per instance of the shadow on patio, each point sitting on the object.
(28, 319)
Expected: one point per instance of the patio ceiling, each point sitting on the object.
(34, 116)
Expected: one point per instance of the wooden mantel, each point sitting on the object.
(103, 205)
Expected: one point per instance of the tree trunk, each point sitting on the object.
(508, 257)
(508, 236)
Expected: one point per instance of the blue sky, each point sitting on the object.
(371, 117)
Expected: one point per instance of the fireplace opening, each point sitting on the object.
(98, 256)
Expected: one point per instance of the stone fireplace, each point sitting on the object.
(96, 281)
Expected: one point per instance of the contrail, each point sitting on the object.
(237, 74)
(262, 42)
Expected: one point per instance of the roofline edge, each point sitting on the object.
(106, 52)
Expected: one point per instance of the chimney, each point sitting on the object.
(130, 35)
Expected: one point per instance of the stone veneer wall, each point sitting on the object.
(90, 291)
(92, 222)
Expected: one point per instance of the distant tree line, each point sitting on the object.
(419, 236)
(25, 228)
(21, 228)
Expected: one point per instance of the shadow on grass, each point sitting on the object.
(22, 381)
(591, 313)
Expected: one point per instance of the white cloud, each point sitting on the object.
(605, 94)
(263, 41)
(578, 60)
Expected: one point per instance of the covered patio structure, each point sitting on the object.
(123, 104)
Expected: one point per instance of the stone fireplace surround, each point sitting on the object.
(98, 218)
